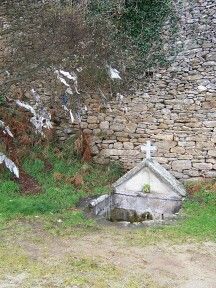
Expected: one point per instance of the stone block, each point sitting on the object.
(104, 125)
(121, 134)
(130, 127)
(210, 63)
(101, 160)
(108, 152)
(109, 141)
(202, 166)
(163, 126)
(97, 131)
(178, 150)
(120, 119)
(87, 131)
(212, 153)
(110, 132)
(180, 165)
(94, 150)
(128, 145)
(162, 160)
(210, 124)
(194, 77)
(211, 56)
(210, 174)
(118, 145)
(167, 137)
(166, 145)
(117, 127)
(92, 119)
(93, 126)
(185, 157)
(84, 125)
(122, 139)
(192, 173)
(201, 88)
(178, 175)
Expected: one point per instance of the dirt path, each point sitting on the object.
(103, 259)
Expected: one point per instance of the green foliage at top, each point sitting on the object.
(137, 25)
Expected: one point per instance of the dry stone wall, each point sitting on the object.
(176, 109)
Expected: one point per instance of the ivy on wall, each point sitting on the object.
(138, 26)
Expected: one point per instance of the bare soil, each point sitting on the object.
(28, 184)
(102, 257)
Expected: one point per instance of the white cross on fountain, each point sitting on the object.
(148, 149)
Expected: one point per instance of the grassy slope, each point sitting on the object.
(59, 196)
(57, 203)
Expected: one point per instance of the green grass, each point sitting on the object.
(198, 223)
(58, 198)
(200, 213)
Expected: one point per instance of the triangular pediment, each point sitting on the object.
(158, 171)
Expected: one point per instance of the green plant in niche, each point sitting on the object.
(146, 188)
(2, 100)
